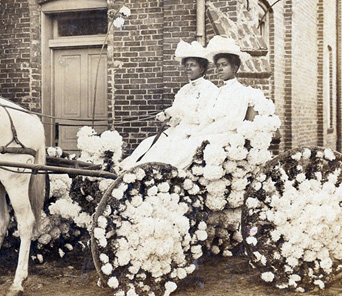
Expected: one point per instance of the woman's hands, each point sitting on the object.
(165, 117)
(162, 116)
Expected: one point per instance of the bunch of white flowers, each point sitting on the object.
(223, 173)
(94, 146)
(149, 238)
(293, 217)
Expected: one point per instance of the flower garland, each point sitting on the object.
(292, 219)
(148, 230)
(223, 173)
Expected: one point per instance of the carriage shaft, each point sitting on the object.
(55, 169)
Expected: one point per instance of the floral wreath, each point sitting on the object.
(291, 220)
(147, 231)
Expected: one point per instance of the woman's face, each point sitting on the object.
(225, 69)
(193, 69)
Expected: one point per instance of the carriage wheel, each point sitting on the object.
(147, 231)
(292, 219)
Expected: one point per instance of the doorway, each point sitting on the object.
(74, 77)
(73, 63)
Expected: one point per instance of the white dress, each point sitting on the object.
(190, 109)
(223, 117)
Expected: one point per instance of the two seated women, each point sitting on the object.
(200, 111)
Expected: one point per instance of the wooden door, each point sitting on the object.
(73, 93)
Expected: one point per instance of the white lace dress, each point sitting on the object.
(190, 110)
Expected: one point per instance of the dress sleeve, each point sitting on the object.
(177, 108)
(228, 114)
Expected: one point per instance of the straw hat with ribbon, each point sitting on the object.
(187, 50)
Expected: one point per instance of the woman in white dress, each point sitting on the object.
(187, 111)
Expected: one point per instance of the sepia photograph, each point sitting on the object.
(170, 147)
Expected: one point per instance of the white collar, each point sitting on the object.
(196, 81)
(230, 82)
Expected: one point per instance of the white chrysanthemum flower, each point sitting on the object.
(201, 235)
(213, 172)
(44, 239)
(267, 276)
(125, 11)
(306, 153)
(113, 283)
(104, 258)
(137, 201)
(197, 170)
(107, 268)
(214, 154)
(169, 288)
(102, 222)
(117, 193)
(152, 191)
(227, 253)
(139, 173)
(202, 225)
(251, 240)
(119, 22)
(326, 264)
(181, 273)
(103, 242)
(104, 184)
(253, 231)
(215, 203)
(187, 184)
(329, 154)
(300, 177)
(252, 203)
(164, 187)
(292, 261)
(129, 178)
(99, 233)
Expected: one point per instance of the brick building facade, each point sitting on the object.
(297, 61)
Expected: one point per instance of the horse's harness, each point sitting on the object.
(15, 150)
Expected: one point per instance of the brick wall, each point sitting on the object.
(304, 73)
(20, 78)
(138, 82)
(14, 52)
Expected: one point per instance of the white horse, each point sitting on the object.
(26, 191)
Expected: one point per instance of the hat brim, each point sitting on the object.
(214, 53)
(180, 58)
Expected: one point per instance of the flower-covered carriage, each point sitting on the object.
(149, 224)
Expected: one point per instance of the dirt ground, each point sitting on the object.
(216, 276)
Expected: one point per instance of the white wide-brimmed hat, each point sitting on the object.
(187, 50)
(219, 44)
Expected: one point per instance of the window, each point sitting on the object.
(263, 16)
(81, 23)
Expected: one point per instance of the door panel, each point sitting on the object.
(74, 83)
